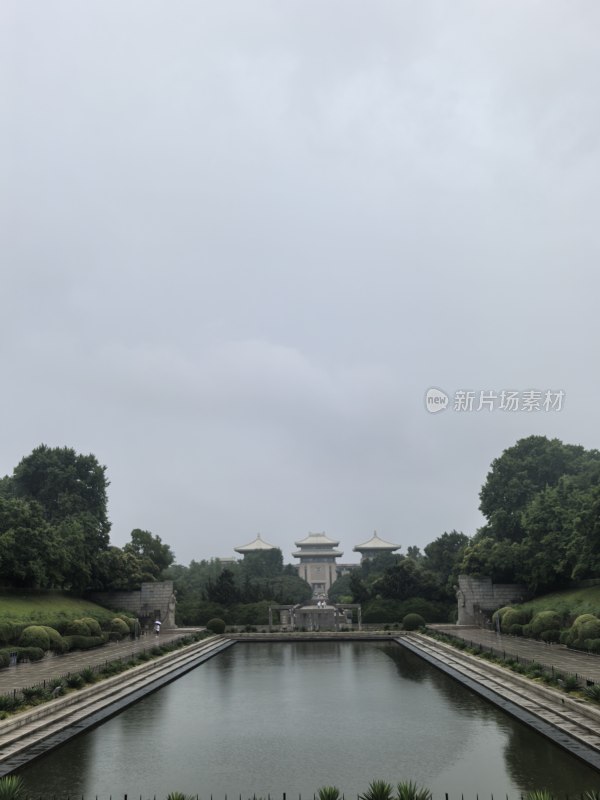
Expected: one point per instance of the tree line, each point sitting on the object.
(54, 528)
(541, 500)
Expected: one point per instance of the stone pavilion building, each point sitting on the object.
(255, 546)
(317, 554)
(374, 547)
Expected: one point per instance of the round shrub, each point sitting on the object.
(8, 632)
(4, 659)
(57, 643)
(216, 625)
(120, 627)
(413, 622)
(544, 621)
(586, 626)
(513, 616)
(93, 625)
(77, 627)
(499, 614)
(35, 636)
(30, 654)
(516, 629)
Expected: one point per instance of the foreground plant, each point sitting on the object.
(12, 788)
(407, 790)
(378, 790)
(540, 794)
(329, 793)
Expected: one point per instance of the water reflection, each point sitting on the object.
(274, 718)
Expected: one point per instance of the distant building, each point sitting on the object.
(374, 547)
(255, 546)
(317, 565)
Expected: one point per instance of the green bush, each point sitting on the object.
(74, 681)
(57, 643)
(93, 625)
(77, 627)
(120, 627)
(512, 616)
(35, 636)
(9, 632)
(29, 653)
(83, 642)
(216, 625)
(4, 658)
(544, 621)
(329, 793)
(586, 626)
(516, 629)
(413, 622)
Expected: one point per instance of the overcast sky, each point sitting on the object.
(241, 240)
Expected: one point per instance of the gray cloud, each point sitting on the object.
(241, 240)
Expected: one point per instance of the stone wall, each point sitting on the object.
(478, 598)
(153, 601)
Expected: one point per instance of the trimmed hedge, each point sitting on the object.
(118, 628)
(544, 621)
(413, 622)
(83, 642)
(35, 636)
(57, 643)
(216, 625)
(77, 627)
(93, 625)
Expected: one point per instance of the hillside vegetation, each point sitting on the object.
(569, 617)
(48, 607)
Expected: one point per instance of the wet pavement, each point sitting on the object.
(557, 656)
(55, 666)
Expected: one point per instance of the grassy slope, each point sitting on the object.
(571, 602)
(43, 607)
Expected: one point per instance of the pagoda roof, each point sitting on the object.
(255, 546)
(317, 540)
(375, 543)
(320, 553)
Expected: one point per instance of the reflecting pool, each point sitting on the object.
(268, 718)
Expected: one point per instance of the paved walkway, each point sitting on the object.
(584, 665)
(53, 666)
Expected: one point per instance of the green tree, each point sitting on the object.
(154, 555)
(444, 555)
(522, 471)
(224, 590)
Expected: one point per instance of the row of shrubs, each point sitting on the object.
(34, 695)
(79, 634)
(581, 633)
(551, 677)
(411, 622)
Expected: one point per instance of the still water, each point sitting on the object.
(274, 718)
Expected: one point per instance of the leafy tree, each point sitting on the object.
(522, 471)
(263, 564)
(65, 484)
(26, 541)
(358, 590)
(443, 556)
(414, 553)
(223, 590)
(154, 556)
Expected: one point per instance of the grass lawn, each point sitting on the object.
(571, 602)
(45, 607)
